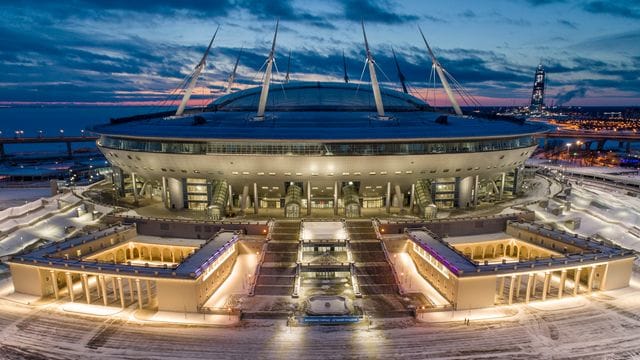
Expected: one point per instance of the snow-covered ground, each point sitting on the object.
(237, 284)
(412, 282)
(603, 326)
(603, 210)
(323, 230)
(10, 197)
(45, 228)
(30, 213)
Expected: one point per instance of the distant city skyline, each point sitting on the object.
(137, 52)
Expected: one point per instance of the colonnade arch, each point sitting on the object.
(503, 248)
(145, 252)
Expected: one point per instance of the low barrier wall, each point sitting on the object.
(191, 229)
(458, 226)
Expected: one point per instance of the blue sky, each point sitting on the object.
(137, 51)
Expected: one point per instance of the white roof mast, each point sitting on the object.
(232, 76)
(194, 76)
(267, 78)
(374, 80)
(441, 75)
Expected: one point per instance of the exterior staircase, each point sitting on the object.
(373, 273)
(279, 268)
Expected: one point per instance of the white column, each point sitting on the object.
(308, 198)
(131, 294)
(115, 289)
(256, 200)
(592, 272)
(504, 177)
(388, 197)
(98, 287)
(501, 287)
(133, 184)
(563, 277)
(529, 283)
(518, 281)
(121, 289)
(70, 286)
(85, 287)
(603, 280)
(164, 192)
(54, 281)
(533, 286)
(576, 282)
(412, 198)
(476, 186)
(149, 292)
(511, 288)
(545, 286)
(103, 285)
(244, 198)
(138, 290)
(335, 198)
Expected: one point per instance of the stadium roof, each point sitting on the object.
(319, 96)
(323, 112)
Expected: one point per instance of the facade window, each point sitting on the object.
(314, 149)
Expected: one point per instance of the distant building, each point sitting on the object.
(537, 96)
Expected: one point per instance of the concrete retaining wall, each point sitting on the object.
(190, 229)
(462, 226)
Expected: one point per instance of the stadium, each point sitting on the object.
(320, 146)
(317, 148)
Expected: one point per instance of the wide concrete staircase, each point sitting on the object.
(373, 272)
(278, 269)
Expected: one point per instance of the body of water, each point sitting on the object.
(51, 119)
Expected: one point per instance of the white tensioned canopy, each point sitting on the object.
(319, 96)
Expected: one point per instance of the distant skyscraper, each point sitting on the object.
(537, 97)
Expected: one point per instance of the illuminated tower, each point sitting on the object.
(537, 97)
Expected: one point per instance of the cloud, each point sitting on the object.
(567, 23)
(283, 9)
(55, 52)
(623, 8)
(468, 14)
(564, 97)
(627, 42)
(545, 2)
(374, 11)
